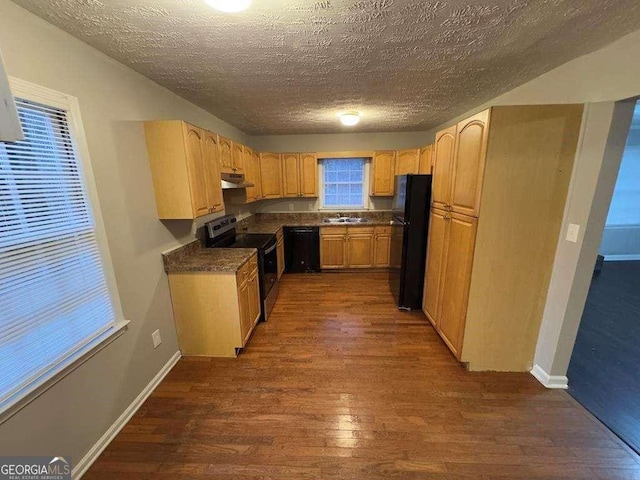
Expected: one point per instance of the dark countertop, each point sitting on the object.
(272, 222)
(194, 258)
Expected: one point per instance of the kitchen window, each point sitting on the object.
(57, 299)
(343, 183)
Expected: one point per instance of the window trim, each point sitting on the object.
(366, 201)
(46, 96)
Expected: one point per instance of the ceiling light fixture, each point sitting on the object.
(349, 119)
(230, 6)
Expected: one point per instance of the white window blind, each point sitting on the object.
(343, 183)
(54, 298)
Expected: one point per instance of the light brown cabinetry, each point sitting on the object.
(299, 175)
(271, 175)
(215, 313)
(499, 196)
(382, 255)
(226, 155)
(347, 247)
(252, 175)
(407, 161)
(184, 168)
(360, 247)
(383, 168)
(425, 160)
(237, 156)
(280, 247)
(333, 248)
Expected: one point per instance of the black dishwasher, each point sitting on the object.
(302, 249)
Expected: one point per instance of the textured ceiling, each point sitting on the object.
(287, 66)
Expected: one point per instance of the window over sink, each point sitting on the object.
(343, 185)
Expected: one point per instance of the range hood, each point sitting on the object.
(234, 180)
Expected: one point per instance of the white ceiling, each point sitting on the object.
(288, 66)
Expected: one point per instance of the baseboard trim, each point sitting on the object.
(549, 381)
(93, 454)
(622, 258)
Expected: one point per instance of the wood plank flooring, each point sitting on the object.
(341, 385)
(603, 374)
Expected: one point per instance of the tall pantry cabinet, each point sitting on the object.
(501, 180)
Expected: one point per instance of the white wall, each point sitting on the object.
(70, 417)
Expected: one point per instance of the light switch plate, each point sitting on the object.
(157, 340)
(572, 233)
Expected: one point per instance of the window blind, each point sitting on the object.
(54, 297)
(343, 182)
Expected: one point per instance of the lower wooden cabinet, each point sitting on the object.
(354, 247)
(280, 249)
(215, 313)
(448, 274)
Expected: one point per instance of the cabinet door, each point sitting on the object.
(252, 175)
(425, 160)
(238, 157)
(436, 254)
(280, 257)
(290, 175)
(254, 298)
(443, 166)
(360, 249)
(407, 161)
(468, 164)
(383, 170)
(333, 251)
(308, 175)
(271, 173)
(382, 257)
(257, 175)
(244, 301)
(457, 279)
(214, 188)
(197, 170)
(226, 155)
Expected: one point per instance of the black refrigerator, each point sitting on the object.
(409, 239)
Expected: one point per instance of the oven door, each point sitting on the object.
(269, 268)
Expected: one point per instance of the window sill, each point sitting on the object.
(28, 394)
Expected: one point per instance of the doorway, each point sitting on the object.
(604, 372)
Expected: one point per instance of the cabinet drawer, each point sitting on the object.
(337, 230)
(356, 230)
(381, 230)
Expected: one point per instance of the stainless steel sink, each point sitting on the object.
(345, 220)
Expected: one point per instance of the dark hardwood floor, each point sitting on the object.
(341, 385)
(604, 374)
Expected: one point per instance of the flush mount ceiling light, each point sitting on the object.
(230, 6)
(349, 119)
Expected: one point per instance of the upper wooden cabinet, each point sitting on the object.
(237, 156)
(299, 175)
(443, 146)
(226, 155)
(183, 162)
(500, 193)
(271, 175)
(383, 168)
(407, 161)
(425, 160)
(252, 175)
(468, 164)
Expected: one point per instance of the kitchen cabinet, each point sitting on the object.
(443, 165)
(252, 175)
(215, 313)
(226, 155)
(281, 257)
(383, 168)
(237, 156)
(299, 175)
(425, 160)
(347, 247)
(271, 175)
(407, 161)
(382, 255)
(333, 248)
(184, 167)
(499, 197)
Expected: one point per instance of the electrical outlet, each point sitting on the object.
(291, 207)
(157, 339)
(572, 232)
(310, 206)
